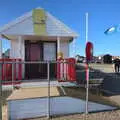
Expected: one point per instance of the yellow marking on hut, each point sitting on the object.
(39, 22)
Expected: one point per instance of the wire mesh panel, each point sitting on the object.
(35, 84)
(46, 96)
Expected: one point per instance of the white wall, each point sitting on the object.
(17, 49)
(64, 48)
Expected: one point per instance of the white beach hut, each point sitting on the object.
(37, 36)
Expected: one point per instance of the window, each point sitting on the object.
(49, 51)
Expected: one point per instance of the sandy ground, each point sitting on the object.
(111, 115)
(33, 93)
(107, 68)
(4, 113)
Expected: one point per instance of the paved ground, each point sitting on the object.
(39, 84)
(70, 91)
(111, 80)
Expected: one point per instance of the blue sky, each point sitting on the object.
(102, 15)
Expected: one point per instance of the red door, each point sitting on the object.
(34, 52)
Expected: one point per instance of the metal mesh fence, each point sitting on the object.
(17, 75)
(58, 88)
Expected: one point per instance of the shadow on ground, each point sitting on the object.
(111, 80)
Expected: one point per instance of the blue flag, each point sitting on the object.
(113, 29)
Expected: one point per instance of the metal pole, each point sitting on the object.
(87, 87)
(13, 76)
(48, 73)
(86, 27)
(0, 91)
(87, 68)
(1, 79)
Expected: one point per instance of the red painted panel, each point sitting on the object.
(66, 70)
(35, 52)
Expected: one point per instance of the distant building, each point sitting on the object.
(115, 57)
(97, 59)
(107, 58)
(79, 58)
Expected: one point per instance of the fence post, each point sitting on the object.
(13, 75)
(87, 87)
(48, 77)
(0, 91)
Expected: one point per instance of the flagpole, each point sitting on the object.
(86, 27)
(87, 69)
